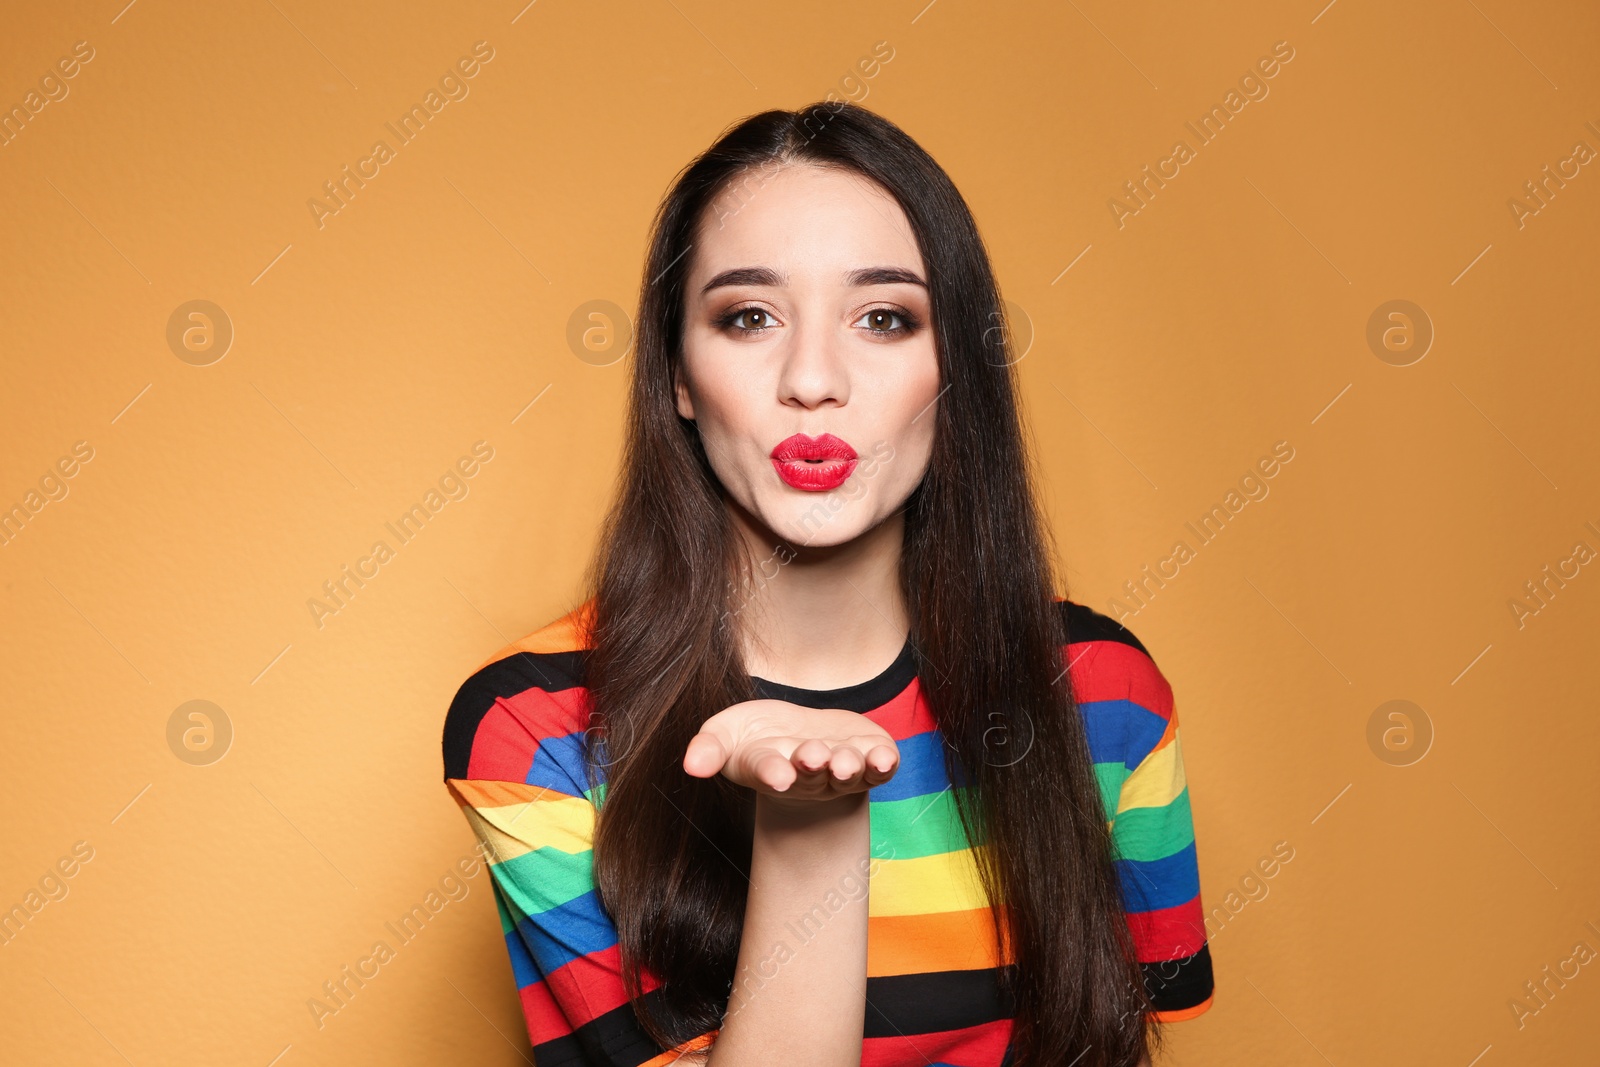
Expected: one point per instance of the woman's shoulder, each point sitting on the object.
(1083, 624)
(566, 636)
(1126, 700)
(528, 697)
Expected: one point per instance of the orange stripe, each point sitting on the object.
(569, 633)
(1181, 1014)
(672, 1055)
(486, 793)
(1166, 735)
(940, 941)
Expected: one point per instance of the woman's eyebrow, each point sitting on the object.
(744, 276)
(862, 276)
(883, 276)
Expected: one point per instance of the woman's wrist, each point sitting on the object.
(798, 813)
(809, 834)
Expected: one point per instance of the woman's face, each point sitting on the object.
(807, 340)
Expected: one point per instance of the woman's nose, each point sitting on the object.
(815, 370)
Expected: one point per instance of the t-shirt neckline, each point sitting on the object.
(862, 696)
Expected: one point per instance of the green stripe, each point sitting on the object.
(553, 876)
(918, 826)
(1110, 777)
(508, 922)
(1154, 833)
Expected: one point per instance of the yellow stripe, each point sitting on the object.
(512, 830)
(946, 882)
(1158, 779)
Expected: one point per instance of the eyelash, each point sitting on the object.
(729, 320)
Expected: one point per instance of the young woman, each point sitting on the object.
(823, 771)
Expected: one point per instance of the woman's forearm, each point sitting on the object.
(799, 989)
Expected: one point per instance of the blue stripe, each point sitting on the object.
(522, 965)
(921, 772)
(523, 969)
(579, 927)
(1150, 885)
(550, 763)
(1120, 731)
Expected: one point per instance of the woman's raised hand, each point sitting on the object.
(789, 752)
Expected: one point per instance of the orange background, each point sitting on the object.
(371, 352)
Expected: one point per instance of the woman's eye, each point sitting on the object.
(750, 319)
(882, 320)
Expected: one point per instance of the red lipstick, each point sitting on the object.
(814, 464)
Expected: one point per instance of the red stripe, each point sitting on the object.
(544, 1018)
(906, 715)
(972, 1046)
(595, 982)
(510, 733)
(1173, 933)
(1111, 670)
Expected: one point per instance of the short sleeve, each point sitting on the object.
(1153, 837)
(1137, 749)
(513, 762)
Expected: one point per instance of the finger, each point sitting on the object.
(706, 755)
(881, 764)
(811, 755)
(846, 766)
(883, 758)
(775, 771)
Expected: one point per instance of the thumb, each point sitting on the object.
(706, 755)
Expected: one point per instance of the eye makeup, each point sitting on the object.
(729, 320)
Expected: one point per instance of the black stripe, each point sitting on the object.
(864, 696)
(909, 1004)
(1083, 623)
(614, 1039)
(896, 1006)
(552, 672)
(1177, 984)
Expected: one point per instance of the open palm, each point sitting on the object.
(791, 752)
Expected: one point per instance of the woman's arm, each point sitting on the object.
(799, 985)
(799, 990)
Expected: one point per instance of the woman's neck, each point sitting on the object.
(821, 618)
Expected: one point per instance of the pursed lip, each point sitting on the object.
(800, 448)
(814, 464)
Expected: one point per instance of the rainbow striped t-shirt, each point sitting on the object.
(513, 760)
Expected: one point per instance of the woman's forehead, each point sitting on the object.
(805, 224)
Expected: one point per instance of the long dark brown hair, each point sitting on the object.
(672, 852)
